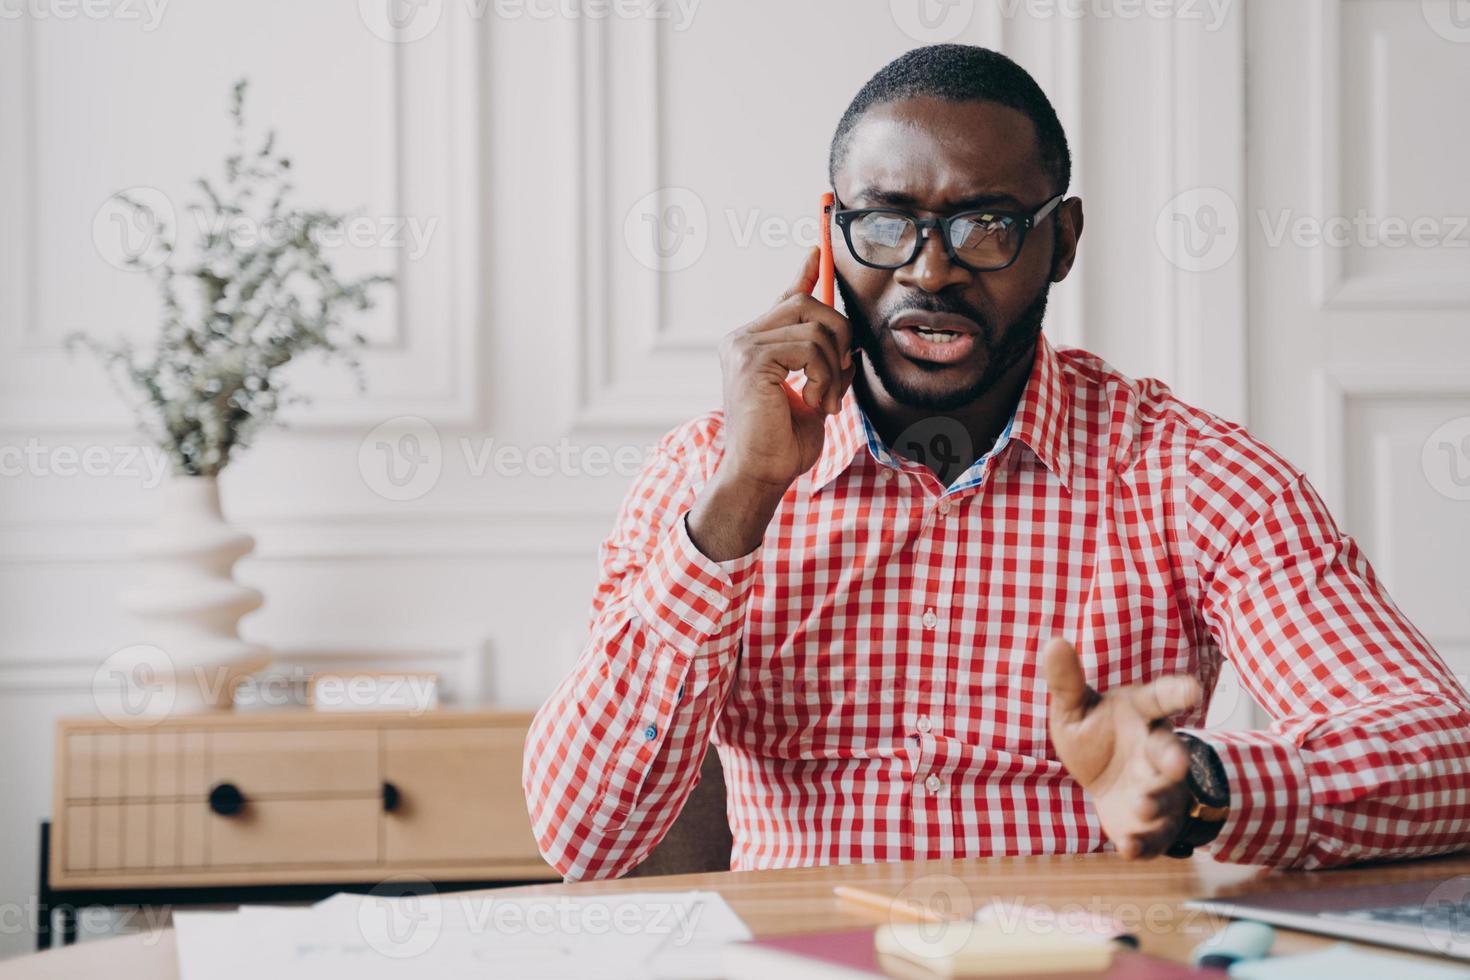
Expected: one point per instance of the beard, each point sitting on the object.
(1004, 345)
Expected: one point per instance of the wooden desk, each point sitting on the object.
(1146, 895)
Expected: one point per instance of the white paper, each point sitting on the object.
(633, 936)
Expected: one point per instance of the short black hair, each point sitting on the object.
(961, 73)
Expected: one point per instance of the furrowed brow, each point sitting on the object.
(877, 197)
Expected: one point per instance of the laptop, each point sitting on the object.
(1430, 916)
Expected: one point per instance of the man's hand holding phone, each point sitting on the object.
(772, 433)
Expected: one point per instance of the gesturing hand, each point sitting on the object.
(1121, 748)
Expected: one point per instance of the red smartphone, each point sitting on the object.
(826, 274)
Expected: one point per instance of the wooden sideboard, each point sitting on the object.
(290, 797)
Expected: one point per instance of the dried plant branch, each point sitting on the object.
(242, 309)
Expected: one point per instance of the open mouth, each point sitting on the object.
(934, 338)
(937, 336)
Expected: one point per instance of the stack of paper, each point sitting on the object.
(633, 936)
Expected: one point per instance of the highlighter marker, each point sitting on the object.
(1241, 941)
(825, 275)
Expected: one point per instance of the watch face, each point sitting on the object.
(1207, 775)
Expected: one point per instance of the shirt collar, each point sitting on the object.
(1042, 422)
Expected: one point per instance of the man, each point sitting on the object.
(851, 587)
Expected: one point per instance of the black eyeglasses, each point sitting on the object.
(982, 240)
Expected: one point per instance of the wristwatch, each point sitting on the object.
(1209, 803)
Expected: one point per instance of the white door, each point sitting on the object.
(1359, 274)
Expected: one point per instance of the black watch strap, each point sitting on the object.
(1209, 798)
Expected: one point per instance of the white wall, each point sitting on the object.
(533, 140)
(1359, 250)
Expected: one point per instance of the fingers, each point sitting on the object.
(808, 348)
(1068, 696)
(1165, 696)
(1142, 818)
(804, 347)
(806, 309)
(806, 280)
(1142, 797)
(1145, 809)
(798, 305)
(844, 381)
(1166, 754)
(1155, 822)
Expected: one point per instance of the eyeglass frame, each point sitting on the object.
(1025, 221)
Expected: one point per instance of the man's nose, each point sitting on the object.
(932, 271)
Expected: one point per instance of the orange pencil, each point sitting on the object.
(826, 274)
(897, 909)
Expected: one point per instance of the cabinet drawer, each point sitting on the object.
(460, 796)
(133, 765)
(292, 763)
(297, 833)
(111, 837)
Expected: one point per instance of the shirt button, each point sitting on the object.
(945, 507)
(930, 620)
(650, 733)
(932, 784)
(884, 475)
(923, 724)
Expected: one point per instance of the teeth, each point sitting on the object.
(936, 336)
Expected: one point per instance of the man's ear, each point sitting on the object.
(1068, 217)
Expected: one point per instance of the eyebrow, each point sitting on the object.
(898, 199)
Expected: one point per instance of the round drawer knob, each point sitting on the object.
(226, 799)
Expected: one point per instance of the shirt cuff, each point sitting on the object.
(688, 598)
(1270, 798)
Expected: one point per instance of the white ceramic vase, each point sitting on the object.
(187, 604)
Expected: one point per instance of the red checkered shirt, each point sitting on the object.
(869, 674)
